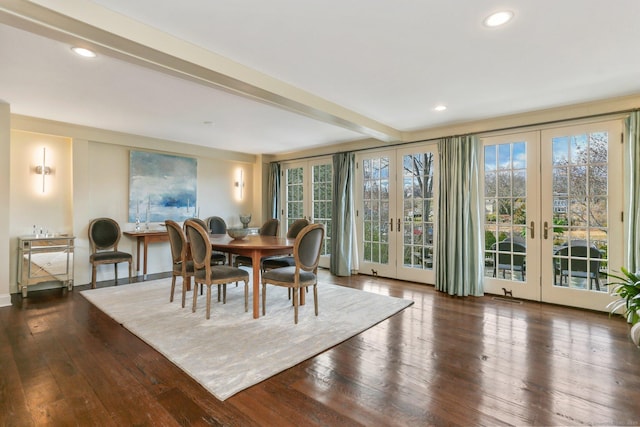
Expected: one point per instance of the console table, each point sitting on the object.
(145, 237)
(45, 259)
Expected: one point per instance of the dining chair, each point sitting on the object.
(306, 252)
(269, 228)
(216, 257)
(206, 274)
(217, 225)
(181, 259)
(104, 235)
(270, 263)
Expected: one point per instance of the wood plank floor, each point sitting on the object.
(443, 361)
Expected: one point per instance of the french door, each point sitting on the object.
(307, 189)
(396, 212)
(553, 201)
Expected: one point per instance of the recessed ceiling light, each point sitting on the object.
(83, 52)
(440, 108)
(498, 18)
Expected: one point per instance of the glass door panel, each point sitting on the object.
(511, 251)
(396, 212)
(583, 209)
(308, 193)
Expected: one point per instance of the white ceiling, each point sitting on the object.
(301, 74)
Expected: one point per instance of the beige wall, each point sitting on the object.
(5, 170)
(91, 179)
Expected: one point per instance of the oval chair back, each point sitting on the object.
(200, 245)
(217, 225)
(307, 248)
(270, 227)
(296, 227)
(104, 233)
(197, 220)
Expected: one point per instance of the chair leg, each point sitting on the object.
(295, 305)
(219, 293)
(173, 287)
(195, 297)
(315, 297)
(93, 277)
(208, 301)
(246, 296)
(186, 284)
(115, 267)
(130, 271)
(224, 293)
(264, 298)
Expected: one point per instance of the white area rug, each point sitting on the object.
(232, 351)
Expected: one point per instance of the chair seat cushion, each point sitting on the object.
(223, 273)
(278, 262)
(114, 256)
(287, 274)
(241, 259)
(218, 257)
(177, 267)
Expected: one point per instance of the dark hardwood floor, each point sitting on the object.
(443, 361)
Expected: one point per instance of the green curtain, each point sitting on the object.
(632, 217)
(273, 190)
(459, 268)
(342, 220)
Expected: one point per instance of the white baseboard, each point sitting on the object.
(5, 300)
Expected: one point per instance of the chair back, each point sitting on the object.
(104, 233)
(296, 227)
(307, 248)
(177, 241)
(198, 220)
(270, 228)
(200, 245)
(217, 225)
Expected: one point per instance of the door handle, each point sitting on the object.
(398, 224)
(545, 232)
(391, 224)
(532, 227)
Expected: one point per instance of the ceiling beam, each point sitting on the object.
(89, 25)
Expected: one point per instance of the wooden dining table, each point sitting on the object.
(256, 247)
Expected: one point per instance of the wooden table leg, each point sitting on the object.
(255, 261)
(146, 247)
(138, 256)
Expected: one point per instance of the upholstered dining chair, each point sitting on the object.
(306, 252)
(181, 259)
(216, 257)
(206, 274)
(285, 261)
(104, 235)
(217, 225)
(269, 228)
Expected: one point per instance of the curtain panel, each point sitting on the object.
(273, 190)
(459, 254)
(342, 220)
(632, 179)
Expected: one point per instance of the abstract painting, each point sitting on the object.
(162, 187)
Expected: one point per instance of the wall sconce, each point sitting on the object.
(239, 184)
(43, 169)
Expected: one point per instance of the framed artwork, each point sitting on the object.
(162, 187)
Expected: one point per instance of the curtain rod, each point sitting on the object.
(507, 128)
